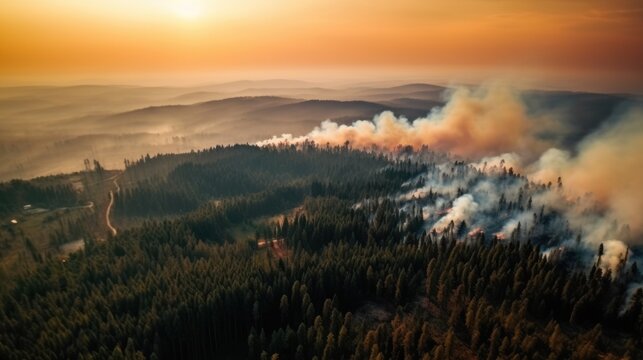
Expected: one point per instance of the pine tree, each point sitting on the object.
(283, 309)
(556, 341)
(448, 343)
(329, 349)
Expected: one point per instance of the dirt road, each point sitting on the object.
(109, 208)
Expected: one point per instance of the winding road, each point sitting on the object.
(109, 208)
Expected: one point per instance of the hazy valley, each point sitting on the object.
(50, 130)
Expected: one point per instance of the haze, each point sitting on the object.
(118, 80)
(582, 45)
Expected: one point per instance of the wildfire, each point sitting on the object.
(475, 232)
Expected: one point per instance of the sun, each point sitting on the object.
(188, 10)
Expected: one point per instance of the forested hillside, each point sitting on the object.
(178, 183)
(353, 272)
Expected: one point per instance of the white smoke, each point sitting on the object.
(464, 208)
(614, 252)
(490, 129)
(488, 121)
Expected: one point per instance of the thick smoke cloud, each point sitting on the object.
(491, 128)
(474, 123)
(610, 166)
(570, 202)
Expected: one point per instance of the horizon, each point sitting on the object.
(258, 82)
(579, 46)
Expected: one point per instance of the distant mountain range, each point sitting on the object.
(47, 128)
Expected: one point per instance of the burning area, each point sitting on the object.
(492, 170)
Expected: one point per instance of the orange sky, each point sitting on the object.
(593, 42)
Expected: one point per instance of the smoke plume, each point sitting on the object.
(491, 127)
(510, 182)
(474, 123)
(464, 208)
(609, 166)
(613, 254)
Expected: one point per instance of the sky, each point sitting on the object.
(588, 44)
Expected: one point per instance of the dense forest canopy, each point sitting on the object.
(243, 169)
(354, 255)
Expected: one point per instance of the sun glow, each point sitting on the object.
(552, 42)
(188, 10)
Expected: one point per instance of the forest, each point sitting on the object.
(16, 193)
(354, 255)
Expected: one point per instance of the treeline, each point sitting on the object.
(17, 193)
(243, 169)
